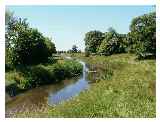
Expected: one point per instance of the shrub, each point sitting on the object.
(51, 60)
(21, 81)
(72, 68)
(87, 54)
(33, 76)
(102, 72)
(8, 67)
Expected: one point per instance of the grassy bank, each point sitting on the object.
(26, 77)
(130, 92)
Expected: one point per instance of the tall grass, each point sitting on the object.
(32, 76)
(130, 92)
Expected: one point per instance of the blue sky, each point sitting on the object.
(67, 25)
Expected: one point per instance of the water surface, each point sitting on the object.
(48, 94)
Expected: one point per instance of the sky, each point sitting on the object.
(67, 25)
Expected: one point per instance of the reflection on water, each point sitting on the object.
(48, 94)
(70, 90)
(67, 92)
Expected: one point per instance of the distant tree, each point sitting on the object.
(74, 49)
(93, 40)
(112, 31)
(79, 51)
(69, 51)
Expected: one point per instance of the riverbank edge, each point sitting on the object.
(127, 94)
(67, 69)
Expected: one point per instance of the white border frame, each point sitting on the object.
(75, 2)
(2, 59)
(80, 2)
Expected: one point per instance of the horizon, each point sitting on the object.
(70, 23)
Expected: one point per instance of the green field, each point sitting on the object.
(130, 92)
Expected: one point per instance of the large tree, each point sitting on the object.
(143, 35)
(93, 40)
(112, 43)
(25, 45)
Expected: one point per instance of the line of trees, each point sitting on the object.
(141, 39)
(25, 45)
(73, 50)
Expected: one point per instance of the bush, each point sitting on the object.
(102, 72)
(8, 67)
(21, 81)
(72, 68)
(87, 54)
(34, 76)
(51, 60)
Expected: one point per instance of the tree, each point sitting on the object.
(13, 26)
(50, 46)
(25, 45)
(69, 51)
(79, 51)
(143, 35)
(112, 31)
(93, 40)
(8, 18)
(112, 43)
(74, 49)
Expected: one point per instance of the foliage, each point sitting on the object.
(140, 40)
(72, 68)
(129, 93)
(105, 43)
(25, 45)
(93, 40)
(51, 60)
(112, 43)
(8, 17)
(143, 35)
(33, 76)
(74, 49)
(50, 46)
(69, 51)
(103, 72)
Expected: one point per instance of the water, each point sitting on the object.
(70, 90)
(48, 94)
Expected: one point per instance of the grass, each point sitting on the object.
(26, 77)
(9, 76)
(129, 93)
